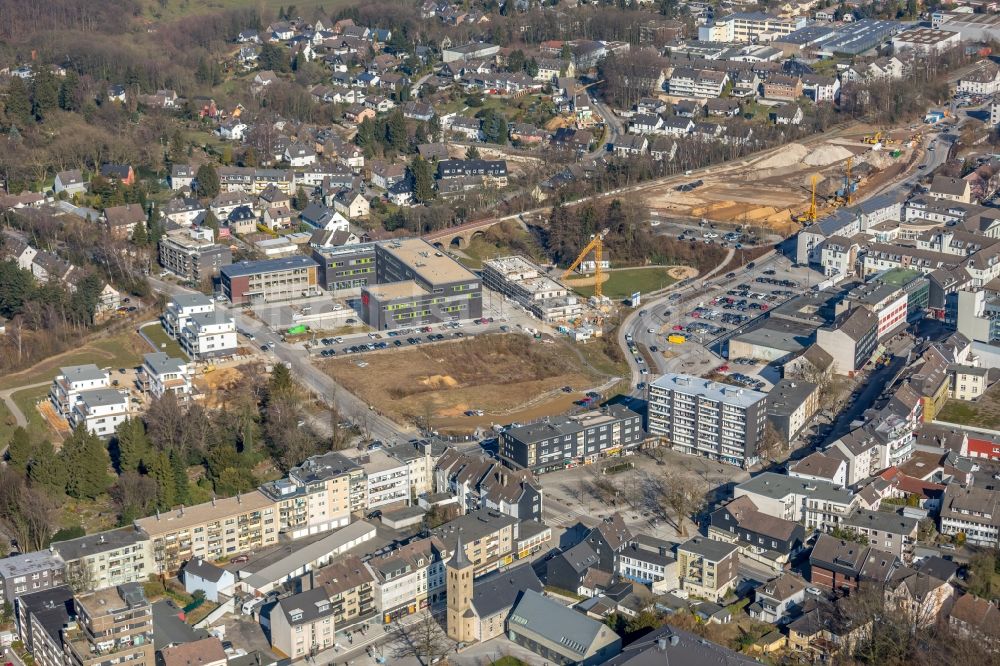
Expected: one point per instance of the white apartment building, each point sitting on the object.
(180, 308)
(71, 382)
(388, 479)
(209, 334)
(100, 411)
(703, 417)
(108, 559)
(747, 27)
(318, 495)
(817, 504)
(698, 83)
(975, 512)
(161, 374)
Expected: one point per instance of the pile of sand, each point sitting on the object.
(439, 381)
(790, 155)
(827, 154)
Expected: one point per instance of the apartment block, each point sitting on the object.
(107, 559)
(180, 307)
(409, 578)
(388, 479)
(417, 285)
(302, 624)
(707, 568)
(193, 254)
(100, 411)
(818, 504)
(213, 530)
(113, 626)
(350, 587)
(71, 382)
(161, 374)
(489, 538)
(27, 573)
(208, 334)
(318, 495)
(561, 442)
(702, 417)
(40, 619)
(972, 511)
(270, 280)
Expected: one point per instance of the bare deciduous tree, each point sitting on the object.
(423, 639)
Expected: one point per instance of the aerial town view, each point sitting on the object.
(499, 332)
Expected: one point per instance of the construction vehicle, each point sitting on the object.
(676, 339)
(872, 139)
(811, 215)
(845, 194)
(597, 245)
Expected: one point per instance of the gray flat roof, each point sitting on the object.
(29, 563)
(93, 544)
(268, 266)
(102, 397)
(299, 556)
(691, 385)
(428, 262)
(778, 486)
(160, 363)
(778, 334)
(190, 300)
(82, 373)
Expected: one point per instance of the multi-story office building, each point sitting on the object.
(29, 572)
(270, 280)
(417, 285)
(107, 559)
(703, 417)
(318, 495)
(560, 442)
(193, 254)
(213, 530)
(889, 303)
(345, 267)
(113, 626)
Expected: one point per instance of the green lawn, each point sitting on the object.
(984, 412)
(622, 283)
(119, 351)
(163, 341)
(26, 401)
(508, 661)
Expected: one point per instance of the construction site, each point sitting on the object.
(551, 300)
(786, 189)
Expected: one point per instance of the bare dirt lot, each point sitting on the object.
(506, 376)
(769, 189)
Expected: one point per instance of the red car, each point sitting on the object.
(677, 327)
(722, 368)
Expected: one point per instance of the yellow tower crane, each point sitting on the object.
(597, 245)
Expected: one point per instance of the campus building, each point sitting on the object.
(702, 417)
(345, 266)
(270, 280)
(526, 283)
(418, 285)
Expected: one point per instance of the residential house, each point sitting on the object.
(120, 173)
(835, 563)
(71, 182)
(350, 587)
(181, 176)
(122, 220)
(976, 618)
(921, 597)
(786, 114)
(302, 624)
(216, 582)
(203, 652)
(973, 512)
(769, 540)
(782, 88)
(161, 374)
(351, 204)
(779, 599)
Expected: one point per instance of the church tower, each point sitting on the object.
(459, 590)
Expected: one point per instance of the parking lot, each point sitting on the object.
(385, 340)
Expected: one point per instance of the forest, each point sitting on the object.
(173, 454)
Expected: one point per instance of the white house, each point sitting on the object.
(161, 374)
(108, 300)
(210, 579)
(182, 307)
(100, 411)
(71, 382)
(209, 334)
(233, 130)
(299, 155)
(71, 182)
